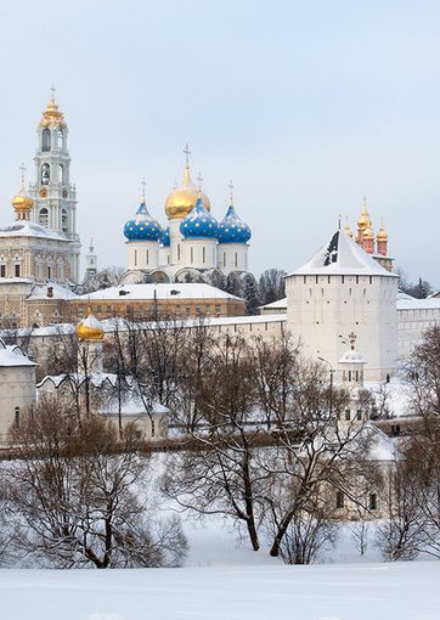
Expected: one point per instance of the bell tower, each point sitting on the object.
(54, 195)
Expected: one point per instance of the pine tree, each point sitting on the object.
(251, 295)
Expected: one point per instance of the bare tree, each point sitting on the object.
(272, 285)
(75, 493)
(219, 472)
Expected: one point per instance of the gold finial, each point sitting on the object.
(352, 338)
(231, 194)
(187, 154)
(143, 183)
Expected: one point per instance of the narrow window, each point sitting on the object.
(148, 257)
(135, 258)
(347, 415)
(45, 147)
(2, 271)
(45, 174)
(224, 259)
(236, 259)
(17, 270)
(17, 417)
(204, 254)
(192, 256)
(373, 501)
(339, 499)
(359, 414)
(49, 272)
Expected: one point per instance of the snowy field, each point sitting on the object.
(402, 591)
(224, 580)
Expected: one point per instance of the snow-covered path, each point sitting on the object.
(402, 591)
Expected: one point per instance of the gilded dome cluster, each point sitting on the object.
(232, 229)
(142, 227)
(199, 224)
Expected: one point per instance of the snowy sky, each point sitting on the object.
(306, 104)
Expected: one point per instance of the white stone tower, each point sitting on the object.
(91, 263)
(340, 290)
(54, 195)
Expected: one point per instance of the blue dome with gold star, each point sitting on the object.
(232, 229)
(199, 224)
(142, 227)
(165, 237)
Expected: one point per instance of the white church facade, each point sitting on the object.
(193, 244)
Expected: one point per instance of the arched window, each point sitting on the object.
(45, 146)
(43, 217)
(61, 173)
(60, 137)
(64, 221)
(17, 417)
(45, 174)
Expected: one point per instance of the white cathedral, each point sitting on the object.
(194, 244)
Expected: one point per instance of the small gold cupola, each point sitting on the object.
(22, 202)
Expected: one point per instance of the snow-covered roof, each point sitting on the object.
(158, 291)
(26, 228)
(58, 292)
(12, 355)
(280, 304)
(342, 256)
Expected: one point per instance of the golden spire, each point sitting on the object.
(364, 220)
(347, 228)
(382, 234)
(22, 202)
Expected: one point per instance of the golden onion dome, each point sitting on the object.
(183, 198)
(382, 235)
(52, 115)
(22, 201)
(90, 328)
(368, 233)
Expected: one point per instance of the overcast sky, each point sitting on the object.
(307, 105)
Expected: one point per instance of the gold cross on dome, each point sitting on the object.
(231, 190)
(200, 180)
(187, 153)
(23, 170)
(53, 91)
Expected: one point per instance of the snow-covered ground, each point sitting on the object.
(405, 591)
(224, 580)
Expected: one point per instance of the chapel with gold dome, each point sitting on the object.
(193, 245)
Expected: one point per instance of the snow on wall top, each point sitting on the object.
(342, 256)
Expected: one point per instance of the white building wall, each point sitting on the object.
(321, 308)
(17, 391)
(176, 238)
(232, 257)
(200, 253)
(143, 254)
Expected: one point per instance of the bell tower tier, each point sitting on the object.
(53, 193)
